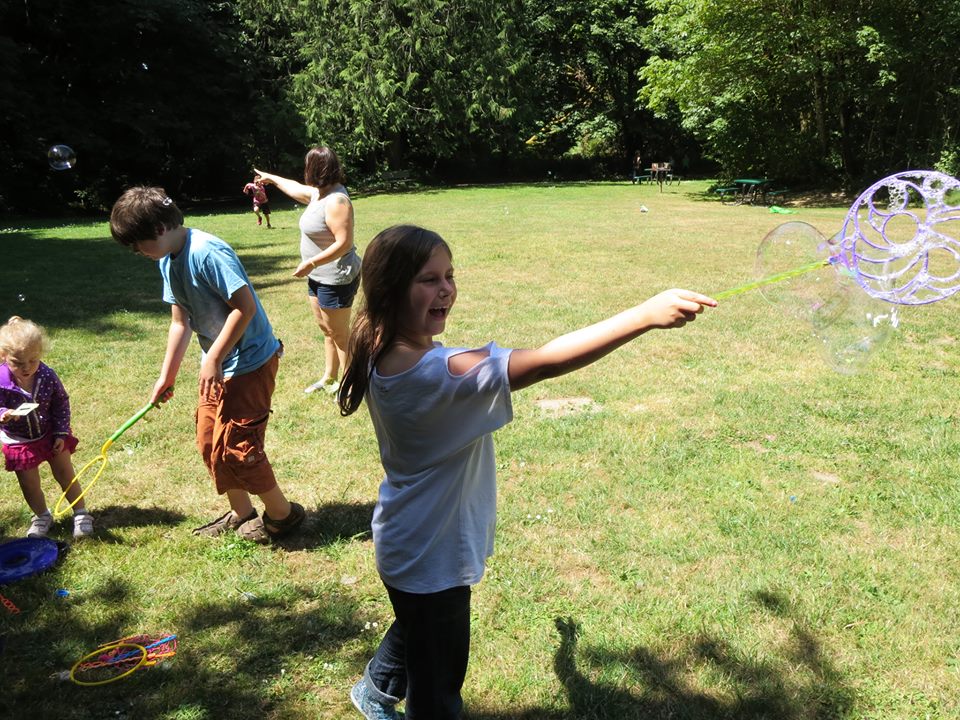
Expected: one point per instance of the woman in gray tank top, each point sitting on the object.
(328, 258)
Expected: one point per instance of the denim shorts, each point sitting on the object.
(333, 297)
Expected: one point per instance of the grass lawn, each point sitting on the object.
(711, 523)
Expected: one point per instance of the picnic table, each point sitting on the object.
(659, 173)
(744, 190)
(750, 190)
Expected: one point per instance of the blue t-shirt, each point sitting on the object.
(200, 279)
(436, 511)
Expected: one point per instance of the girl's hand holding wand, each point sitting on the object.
(672, 308)
(575, 350)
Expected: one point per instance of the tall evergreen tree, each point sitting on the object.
(396, 80)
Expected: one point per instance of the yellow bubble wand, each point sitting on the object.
(99, 462)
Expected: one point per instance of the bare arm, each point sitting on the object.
(339, 218)
(178, 340)
(670, 309)
(243, 308)
(298, 191)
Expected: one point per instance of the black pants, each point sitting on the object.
(423, 657)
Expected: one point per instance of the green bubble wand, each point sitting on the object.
(770, 280)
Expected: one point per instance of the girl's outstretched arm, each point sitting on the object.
(298, 191)
(669, 309)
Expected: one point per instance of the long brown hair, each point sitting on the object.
(390, 263)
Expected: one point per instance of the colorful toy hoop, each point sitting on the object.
(124, 664)
(123, 657)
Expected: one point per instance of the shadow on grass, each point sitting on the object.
(80, 282)
(329, 524)
(113, 517)
(230, 661)
(107, 519)
(757, 689)
(118, 516)
(806, 200)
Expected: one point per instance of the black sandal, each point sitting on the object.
(282, 528)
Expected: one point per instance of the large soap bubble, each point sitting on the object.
(61, 157)
(800, 246)
(848, 323)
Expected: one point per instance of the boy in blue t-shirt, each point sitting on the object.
(210, 294)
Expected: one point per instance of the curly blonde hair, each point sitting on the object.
(19, 336)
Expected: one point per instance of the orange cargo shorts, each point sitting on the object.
(231, 429)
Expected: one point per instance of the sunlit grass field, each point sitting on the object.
(710, 523)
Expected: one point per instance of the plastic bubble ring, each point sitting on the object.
(896, 239)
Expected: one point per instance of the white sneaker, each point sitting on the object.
(82, 525)
(328, 384)
(40, 525)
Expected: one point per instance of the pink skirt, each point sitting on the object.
(26, 456)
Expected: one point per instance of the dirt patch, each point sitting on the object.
(820, 199)
(558, 407)
(826, 477)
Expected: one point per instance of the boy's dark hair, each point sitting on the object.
(141, 213)
(390, 263)
(321, 167)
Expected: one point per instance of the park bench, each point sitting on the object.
(728, 194)
(773, 196)
(396, 177)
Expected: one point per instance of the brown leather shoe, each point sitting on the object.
(264, 529)
(224, 524)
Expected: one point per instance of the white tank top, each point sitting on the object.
(315, 237)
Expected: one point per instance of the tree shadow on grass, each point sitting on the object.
(761, 689)
(230, 661)
(81, 282)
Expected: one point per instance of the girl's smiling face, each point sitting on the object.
(23, 364)
(431, 295)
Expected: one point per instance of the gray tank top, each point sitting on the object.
(315, 237)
